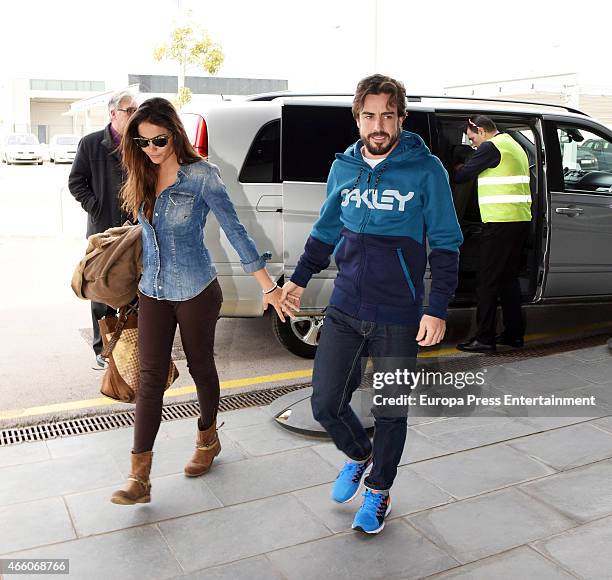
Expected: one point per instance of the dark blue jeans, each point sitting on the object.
(344, 346)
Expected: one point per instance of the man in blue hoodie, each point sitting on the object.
(386, 195)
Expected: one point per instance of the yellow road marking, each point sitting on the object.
(245, 382)
(173, 392)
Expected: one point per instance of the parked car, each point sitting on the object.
(21, 148)
(62, 148)
(586, 160)
(601, 149)
(275, 151)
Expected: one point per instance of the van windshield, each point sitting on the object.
(21, 140)
(67, 140)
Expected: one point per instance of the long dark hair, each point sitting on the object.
(141, 171)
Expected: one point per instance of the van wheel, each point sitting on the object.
(300, 335)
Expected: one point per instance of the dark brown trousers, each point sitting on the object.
(157, 321)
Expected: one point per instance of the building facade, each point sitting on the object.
(47, 107)
(560, 89)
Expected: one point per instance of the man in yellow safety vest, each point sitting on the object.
(504, 199)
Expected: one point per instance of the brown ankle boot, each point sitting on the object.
(138, 487)
(208, 447)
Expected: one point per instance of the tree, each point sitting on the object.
(190, 46)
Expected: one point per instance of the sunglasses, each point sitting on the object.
(470, 122)
(159, 141)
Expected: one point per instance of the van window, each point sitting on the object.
(68, 140)
(312, 135)
(262, 164)
(19, 139)
(586, 159)
(454, 149)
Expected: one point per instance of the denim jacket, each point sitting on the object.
(176, 262)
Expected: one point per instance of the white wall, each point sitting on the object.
(50, 115)
(14, 106)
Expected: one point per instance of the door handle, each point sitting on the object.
(569, 211)
(270, 203)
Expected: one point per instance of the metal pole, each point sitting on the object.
(61, 209)
(375, 36)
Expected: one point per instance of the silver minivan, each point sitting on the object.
(274, 152)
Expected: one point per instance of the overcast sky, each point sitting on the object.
(317, 45)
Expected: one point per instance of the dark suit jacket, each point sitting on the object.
(95, 179)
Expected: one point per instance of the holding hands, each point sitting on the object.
(290, 299)
(285, 300)
(274, 298)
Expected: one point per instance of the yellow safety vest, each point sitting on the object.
(503, 191)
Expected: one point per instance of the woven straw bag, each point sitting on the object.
(120, 339)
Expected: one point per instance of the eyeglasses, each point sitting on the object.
(129, 110)
(159, 141)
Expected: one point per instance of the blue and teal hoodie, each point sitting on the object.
(376, 222)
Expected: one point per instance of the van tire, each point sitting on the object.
(291, 334)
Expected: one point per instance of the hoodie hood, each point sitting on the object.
(410, 147)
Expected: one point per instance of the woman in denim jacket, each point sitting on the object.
(171, 189)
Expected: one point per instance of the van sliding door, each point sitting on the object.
(311, 135)
(580, 185)
(454, 149)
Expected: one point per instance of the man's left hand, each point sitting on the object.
(431, 330)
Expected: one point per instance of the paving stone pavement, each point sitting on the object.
(479, 498)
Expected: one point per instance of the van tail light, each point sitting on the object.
(201, 137)
(196, 129)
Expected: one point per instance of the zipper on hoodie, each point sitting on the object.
(361, 243)
(400, 255)
(365, 220)
(379, 170)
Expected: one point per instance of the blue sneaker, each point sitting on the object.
(370, 518)
(346, 486)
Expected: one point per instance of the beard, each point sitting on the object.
(380, 148)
